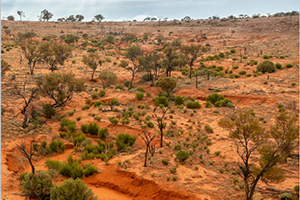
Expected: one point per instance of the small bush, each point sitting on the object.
(286, 196)
(98, 103)
(89, 170)
(103, 133)
(139, 95)
(242, 72)
(165, 161)
(113, 120)
(48, 110)
(182, 155)
(120, 87)
(78, 139)
(179, 100)
(289, 65)
(124, 140)
(193, 105)
(266, 66)
(213, 98)
(67, 125)
(72, 189)
(278, 65)
(150, 124)
(208, 104)
(235, 67)
(161, 100)
(208, 129)
(140, 89)
(232, 50)
(53, 164)
(38, 186)
(94, 96)
(223, 103)
(101, 93)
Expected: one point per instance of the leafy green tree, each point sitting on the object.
(132, 53)
(54, 53)
(167, 84)
(273, 146)
(72, 190)
(10, 18)
(92, 60)
(30, 50)
(79, 18)
(266, 66)
(107, 78)
(150, 63)
(60, 87)
(206, 73)
(99, 17)
(191, 53)
(45, 15)
(170, 59)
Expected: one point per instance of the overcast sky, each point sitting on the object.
(119, 10)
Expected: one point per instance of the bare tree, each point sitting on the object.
(27, 97)
(27, 154)
(160, 121)
(147, 137)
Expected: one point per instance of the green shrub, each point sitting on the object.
(101, 93)
(161, 100)
(48, 110)
(71, 170)
(93, 128)
(139, 95)
(278, 65)
(84, 128)
(289, 65)
(140, 89)
(281, 57)
(242, 72)
(120, 87)
(213, 98)
(193, 105)
(232, 50)
(39, 186)
(57, 146)
(78, 139)
(179, 100)
(98, 103)
(286, 196)
(85, 107)
(126, 83)
(72, 189)
(182, 155)
(124, 140)
(113, 120)
(147, 77)
(87, 101)
(94, 96)
(248, 75)
(150, 124)
(208, 129)
(89, 170)
(208, 104)
(165, 161)
(223, 103)
(235, 67)
(266, 66)
(266, 57)
(53, 164)
(103, 133)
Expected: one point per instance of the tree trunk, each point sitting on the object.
(32, 167)
(25, 121)
(196, 82)
(131, 82)
(146, 154)
(190, 75)
(93, 75)
(161, 137)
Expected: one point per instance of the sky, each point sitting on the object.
(120, 10)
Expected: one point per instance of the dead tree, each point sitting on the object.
(27, 97)
(27, 154)
(147, 137)
(160, 123)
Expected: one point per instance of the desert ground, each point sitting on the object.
(206, 175)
